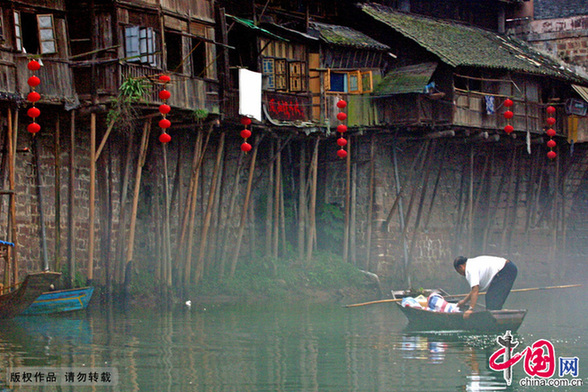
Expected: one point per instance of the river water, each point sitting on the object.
(286, 347)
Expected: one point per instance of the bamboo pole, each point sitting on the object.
(167, 273)
(244, 211)
(302, 201)
(353, 217)
(277, 193)
(209, 209)
(135, 205)
(57, 195)
(346, 227)
(312, 208)
(119, 273)
(13, 199)
(269, 209)
(71, 232)
(10, 257)
(90, 265)
(42, 231)
(390, 300)
(370, 211)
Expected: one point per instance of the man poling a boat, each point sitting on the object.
(492, 274)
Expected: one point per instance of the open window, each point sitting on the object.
(351, 82)
(199, 63)
(281, 74)
(141, 45)
(34, 33)
(173, 45)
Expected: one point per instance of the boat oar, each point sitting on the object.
(382, 301)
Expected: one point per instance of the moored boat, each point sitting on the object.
(486, 321)
(60, 301)
(16, 301)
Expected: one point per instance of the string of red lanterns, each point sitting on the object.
(164, 109)
(341, 128)
(551, 132)
(34, 97)
(508, 114)
(245, 134)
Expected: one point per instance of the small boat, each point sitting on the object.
(60, 301)
(483, 321)
(15, 302)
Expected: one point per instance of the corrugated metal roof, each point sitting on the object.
(345, 36)
(251, 25)
(409, 79)
(582, 91)
(460, 45)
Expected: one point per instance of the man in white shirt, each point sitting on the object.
(492, 274)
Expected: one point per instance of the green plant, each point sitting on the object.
(122, 112)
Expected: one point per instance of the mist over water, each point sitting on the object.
(277, 346)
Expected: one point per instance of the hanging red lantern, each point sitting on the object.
(341, 116)
(245, 147)
(245, 121)
(550, 132)
(341, 153)
(34, 81)
(508, 114)
(508, 102)
(550, 110)
(164, 123)
(550, 121)
(551, 155)
(34, 65)
(341, 128)
(164, 78)
(33, 127)
(508, 129)
(33, 96)
(164, 138)
(33, 112)
(246, 133)
(551, 143)
(341, 104)
(342, 142)
(164, 109)
(164, 95)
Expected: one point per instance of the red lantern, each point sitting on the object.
(341, 116)
(550, 121)
(551, 155)
(245, 121)
(245, 147)
(33, 112)
(33, 96)
(246, 133)
(164, 109)
(341, 128)
(508, 102)
(508, 114)
(164, 123)
(34, 65)
(164, 95)
(164, 78)
(550, 110)
(341, 104)
(550, 132)
(342, 142)
(551, 143)
(164, 138)
(508, 129)
(33, 127)
(341, 153)
(34, 81)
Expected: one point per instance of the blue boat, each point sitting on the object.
(60, 301)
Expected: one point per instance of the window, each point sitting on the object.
(173, 45)
(199, 64)
(34, 33)
(140, 45)
(352, 82)
(285, 75)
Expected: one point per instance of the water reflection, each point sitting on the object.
(294, 347)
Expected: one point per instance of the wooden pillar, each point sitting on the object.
(71, 232)
(90, 265)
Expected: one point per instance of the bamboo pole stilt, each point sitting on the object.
(311, 234)
(347, 203)
(91, 244)
(137, 187)
(370, 211)
(71, 232)
(57, 250)
(277, 193)
(302, 202)
(244, 211)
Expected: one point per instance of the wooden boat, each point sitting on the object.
(60, 301)
(480, 321)
(15, 302)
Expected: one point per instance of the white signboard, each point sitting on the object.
(250, 94)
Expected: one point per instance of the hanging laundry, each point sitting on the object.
(489, 100)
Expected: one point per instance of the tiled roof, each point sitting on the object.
(409, 79)
(460, 45)
(345, 36)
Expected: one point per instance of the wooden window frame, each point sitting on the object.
(141, 45)
(268, 70)
(357, 81)
(18, 31)
(46, 34)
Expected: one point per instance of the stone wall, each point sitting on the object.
(553, 9)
